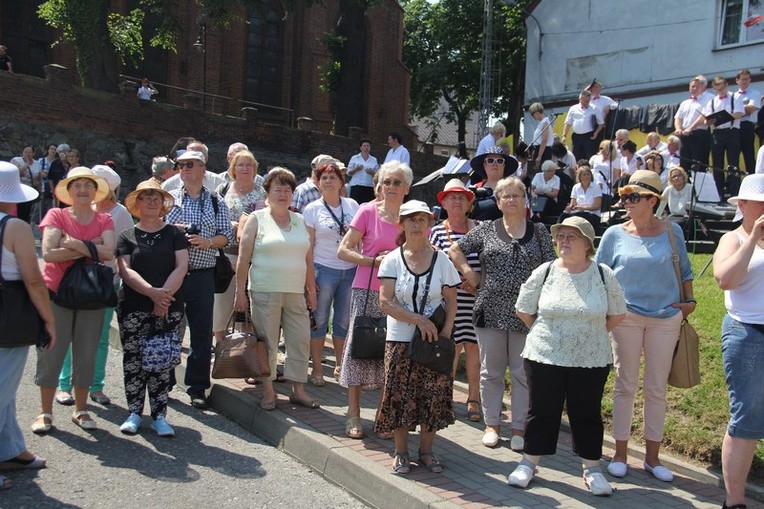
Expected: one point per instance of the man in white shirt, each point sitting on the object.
(586, 122)
(361, 170)
(211, 179)
(671, 156)
(689, 126)
(491, 139)
(751, 103)
(654, 144)
(726, 136)
(602, 102)
(397, 151)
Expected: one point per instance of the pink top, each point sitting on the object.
(378, 235)
(60, 218)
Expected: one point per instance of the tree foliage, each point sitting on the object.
(443, 46)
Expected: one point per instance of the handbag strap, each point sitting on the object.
(427, 281)
(368, 287)
(3, 221)
(675, 260)
(93, 250)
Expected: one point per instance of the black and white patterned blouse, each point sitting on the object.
(506, 264)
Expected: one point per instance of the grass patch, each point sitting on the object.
(696, 419)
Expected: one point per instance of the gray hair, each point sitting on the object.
(236, 147)
(201, 146)
(536, 107)
(507, 182)
(160, 164)
(674, 139)
(700, 79)
(498, 128)
(394, 166)
(622, 132)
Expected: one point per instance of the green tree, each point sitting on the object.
(442, 46)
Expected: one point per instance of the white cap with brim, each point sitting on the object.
(11, 188)
(109, 175)
(413, 207)
(191, 155)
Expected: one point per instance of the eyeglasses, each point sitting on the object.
(394, 183)
(510, 197)
(150, 198)
(494, 160)
(634, 197)
(560, 237)
(189, 164)
(85, 184)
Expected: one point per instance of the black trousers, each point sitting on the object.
(695, 147)
(726, 142)
(199, 296)
(550, 388)
(747, 136)
(584, 146)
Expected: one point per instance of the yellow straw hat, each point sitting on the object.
(62, 193)
(148, 185)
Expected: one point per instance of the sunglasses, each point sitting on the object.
(189, 164)
(494, 160)
(634, 197)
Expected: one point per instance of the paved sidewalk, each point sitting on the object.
(474, 475)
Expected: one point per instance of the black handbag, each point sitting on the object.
(369, 332)
(87, 285)
(224, 272)
(438, 355)
(20, 323)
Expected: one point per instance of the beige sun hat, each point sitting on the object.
(62, 193)
(644, 181)
(580, 224)
(148, 185)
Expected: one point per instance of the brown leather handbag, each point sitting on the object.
(242, 353)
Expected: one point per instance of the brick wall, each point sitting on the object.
(119, 127)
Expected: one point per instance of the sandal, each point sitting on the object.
(64, 398)
(22, 464)
(252, 381)
(354, 428)
(317, 381)
(401, 465)
(86, 424)
(433, 465)
(307, 403)
(41, 428)
(279, 377)
(337, 371)
(5, 483)
(474, 415)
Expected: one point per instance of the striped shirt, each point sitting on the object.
(442, 236)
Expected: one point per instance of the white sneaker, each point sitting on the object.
(597, 484)
(660, 472)
(521, 476)
(490, 438)
(517, 443)
(617, 468)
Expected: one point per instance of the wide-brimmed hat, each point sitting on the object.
(148, 185)
(110, 176)
(11, 188)
(478, 172)
(413, 207)
(580, 224)
(62, 193)
(455, 186)
(644, 181)
(751, 188)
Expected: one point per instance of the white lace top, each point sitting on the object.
(570, 327)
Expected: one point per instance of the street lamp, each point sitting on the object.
(201, 46)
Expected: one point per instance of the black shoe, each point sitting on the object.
(199, 401)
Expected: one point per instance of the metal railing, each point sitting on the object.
(220, 104)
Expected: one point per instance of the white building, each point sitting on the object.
(643, 52)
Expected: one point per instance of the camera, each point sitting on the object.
(481, 193)
(193, 229)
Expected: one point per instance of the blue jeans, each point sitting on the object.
(334, 285)
(743, 360)
(12, 362)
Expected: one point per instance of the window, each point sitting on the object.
(741, 21)
(263, 72)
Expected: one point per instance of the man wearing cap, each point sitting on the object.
(308, 191)
(491, 139)
(361, 170)
(211, 179)
(397, 151)
(586, 122)
(204, 217)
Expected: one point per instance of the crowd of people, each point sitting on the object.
(317, 258)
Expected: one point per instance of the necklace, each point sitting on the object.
(288, 227)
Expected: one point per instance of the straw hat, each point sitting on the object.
(148, 185)
(644, 182)
(62, 193)
(580, 224)
(455, 186)
(11, 188)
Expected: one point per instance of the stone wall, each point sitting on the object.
(130, 132)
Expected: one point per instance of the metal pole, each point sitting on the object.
(204, 72)
(486, 72)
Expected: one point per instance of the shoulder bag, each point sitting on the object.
(224, 271)
(685, 365)
(241, 354)
(160, 351)
(369, 332)
(439, 354)
(87, 285)
(20, 323)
